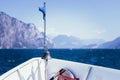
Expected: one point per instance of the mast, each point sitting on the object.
(44, 18)
(46, 55)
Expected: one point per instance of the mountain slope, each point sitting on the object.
(17, 34)
(64, 41)
(115, 44)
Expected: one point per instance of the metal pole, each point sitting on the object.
(46, 55)
(45, 47)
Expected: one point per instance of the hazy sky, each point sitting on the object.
(86, 19)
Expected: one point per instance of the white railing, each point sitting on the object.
(30, 70)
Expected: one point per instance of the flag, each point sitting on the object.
(42, 9)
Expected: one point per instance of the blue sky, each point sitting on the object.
(86, 19)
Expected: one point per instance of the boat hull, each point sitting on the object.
(36, 68)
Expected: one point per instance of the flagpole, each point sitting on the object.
(45, 47)
(46, 55)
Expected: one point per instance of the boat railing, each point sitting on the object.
(30, 70)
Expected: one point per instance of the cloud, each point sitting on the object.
(54, 32)
(100, 31)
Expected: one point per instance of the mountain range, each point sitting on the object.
(17, 34)
(114, 44)
(64, 41)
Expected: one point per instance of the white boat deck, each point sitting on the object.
(30, 70)
(34, 69)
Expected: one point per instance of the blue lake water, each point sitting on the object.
(9, 58)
